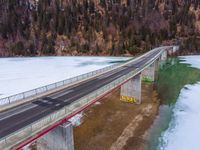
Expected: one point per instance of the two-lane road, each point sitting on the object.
(21, 116)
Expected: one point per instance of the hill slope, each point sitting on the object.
(96, 27)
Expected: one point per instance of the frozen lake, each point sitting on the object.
(183, 132)
(22, 74)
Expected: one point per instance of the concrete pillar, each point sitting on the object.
(163, 59)
(164, 56)
(175, 48)
(149, 73)
(131, 90)
(60, 138)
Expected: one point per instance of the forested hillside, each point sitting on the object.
(97, 27)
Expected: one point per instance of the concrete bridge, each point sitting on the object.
(44, 112)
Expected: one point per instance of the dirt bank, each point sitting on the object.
(116, 125)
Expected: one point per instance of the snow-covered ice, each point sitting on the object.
(183, 132)
(22, 74)
(194, 60)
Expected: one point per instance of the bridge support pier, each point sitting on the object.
(131, 90)
(164, 56)
(149, 73)
(60, 138)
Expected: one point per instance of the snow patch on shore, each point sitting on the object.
(193, 60)
(183, 132)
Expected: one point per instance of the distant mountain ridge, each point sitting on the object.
(97, 27)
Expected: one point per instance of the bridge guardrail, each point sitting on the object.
(53, 86)
(43, 89)
(36, 127)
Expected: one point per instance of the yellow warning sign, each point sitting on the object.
(128, 99)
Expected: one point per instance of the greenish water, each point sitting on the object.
(172, 77)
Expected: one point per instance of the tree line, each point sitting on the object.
(94, 27)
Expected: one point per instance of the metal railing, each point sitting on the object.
(60, 84)
(36, 127)
(50, 87)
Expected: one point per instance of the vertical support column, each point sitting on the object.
(175, 48)
(156, 69)
(164, 56)
(149, 73)
(131, 90)
(60, 138)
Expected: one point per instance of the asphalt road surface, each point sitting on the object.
(23, 115)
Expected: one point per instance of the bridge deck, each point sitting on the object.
(21, 116)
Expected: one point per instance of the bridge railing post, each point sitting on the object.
(36, 91)
(23, 95)
(9, 100)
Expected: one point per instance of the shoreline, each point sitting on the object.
(122, 127)
(111, 124)
(141, 139)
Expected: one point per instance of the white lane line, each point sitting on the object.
(59, 95)
(106, 75)
(18, 122)
(25, 109)
(57, 104)
(45, 101)
(13, 114)
(73, 97)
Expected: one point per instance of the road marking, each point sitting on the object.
(23, 110)
(57, 104)
(45, 101)
(72, 97)
(18, 122)
(59, 95)
(107, 75)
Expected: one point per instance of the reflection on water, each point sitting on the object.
(160, 124)
(185, 118)
(172, 77)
